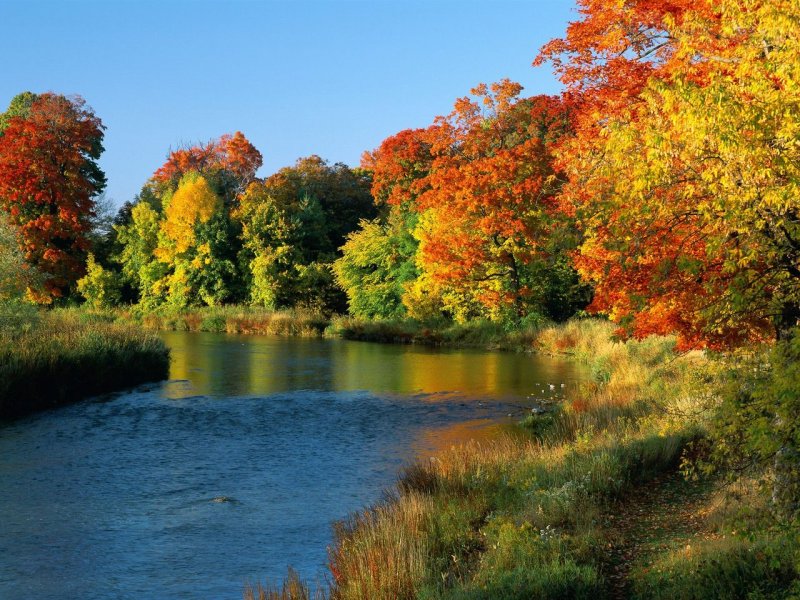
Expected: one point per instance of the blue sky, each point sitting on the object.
(332, 78)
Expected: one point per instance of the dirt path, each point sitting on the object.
(665, 513)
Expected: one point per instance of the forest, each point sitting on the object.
(660, 193)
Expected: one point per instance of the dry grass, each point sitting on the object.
(292, 588)
(383, 552)
(233, 319)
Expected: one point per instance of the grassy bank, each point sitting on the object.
(298, 322)
(538, 518)
(51, 358)
(474, 334)
(227, 319)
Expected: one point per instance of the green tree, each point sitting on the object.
(20, 106)
(16, 276)
(292, 225)
(376, 264)
(343, 195)
(281, 238)
(100, 287)
(138, 240)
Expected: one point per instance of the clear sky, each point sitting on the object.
(332, 78)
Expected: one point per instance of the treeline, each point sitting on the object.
(454, 222)
(204, 232)
(665, 179)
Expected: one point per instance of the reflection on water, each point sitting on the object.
(225, 365)
(120, 497)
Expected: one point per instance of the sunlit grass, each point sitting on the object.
(230, 319)
(529, 517)
(292, 588)
(53, 357)
(476, 334)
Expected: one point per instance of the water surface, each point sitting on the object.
(236, 467)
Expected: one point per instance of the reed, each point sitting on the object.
(229, 319)
(60, 356)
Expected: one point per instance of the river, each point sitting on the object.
(237, 466)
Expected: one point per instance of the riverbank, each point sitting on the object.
(303, 323)
(50, 358)
(546, 517)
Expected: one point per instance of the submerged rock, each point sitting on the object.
(223, 500)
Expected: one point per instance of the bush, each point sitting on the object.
(756, 425)
(724, 569)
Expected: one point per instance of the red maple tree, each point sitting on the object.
(49, 179)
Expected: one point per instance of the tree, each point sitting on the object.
(400, 167)
(100, 286)
(490, 200)
(138, 240)
(49, 178)
(16, 276)
(20, 106)
(282, 238)
(182, 248)
(700, 234)
(230, 161)
(192, 243)
(377, 263)
(293, 223)
(342, 193)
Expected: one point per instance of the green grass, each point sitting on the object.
(723, 569)
(51, 358)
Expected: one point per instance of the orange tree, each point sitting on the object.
(231, 160)
(489, 208)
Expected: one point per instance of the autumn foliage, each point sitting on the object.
(490, 198)
(49, 179)
(665, 176)
(231, 153)
(469, 218)
(682, 171)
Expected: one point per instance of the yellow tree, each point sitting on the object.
(192, 241)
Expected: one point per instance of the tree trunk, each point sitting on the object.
(787, 321)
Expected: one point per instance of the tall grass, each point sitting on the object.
(229, 319)
(520, 517)
(476, 334)
(54, 357)
(292, 588)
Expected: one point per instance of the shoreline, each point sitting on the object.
(247, 320)
(62, 357)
